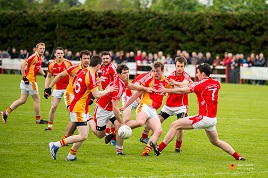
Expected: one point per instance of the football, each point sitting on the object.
(124, 132)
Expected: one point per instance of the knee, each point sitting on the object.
(158, 131)
(174, 125)
(53, 107)
(84, 137)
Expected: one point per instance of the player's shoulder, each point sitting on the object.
(68, 61)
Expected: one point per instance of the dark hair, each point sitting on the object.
(158, 64)
(95, 60)
(121, 67)
(204, 67)
(105, 53)
(84, 52)
(181, 59)
(59, 48)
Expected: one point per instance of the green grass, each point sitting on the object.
(242, 122)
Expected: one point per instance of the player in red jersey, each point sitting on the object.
(107, 107)
(55, 68)
(28, 84)
(150, 102)
(206, 91)
(85, 86)
(72, 72)
(108, 72)
(176, 104)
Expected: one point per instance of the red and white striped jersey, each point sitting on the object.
(107, 74)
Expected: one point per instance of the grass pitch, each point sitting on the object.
(242, 122)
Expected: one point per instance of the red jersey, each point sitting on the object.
(107, 74)
(139, 79)
(207, 91)
(177, 100)
(34, 63)
(85, 83)
(55, 68)
(154, 99)
(106, 101)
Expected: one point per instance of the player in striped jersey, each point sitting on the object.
(28, 84)
(55, 68)
(85, 86)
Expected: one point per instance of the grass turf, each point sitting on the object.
(242, 122)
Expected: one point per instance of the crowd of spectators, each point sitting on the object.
(233, 61)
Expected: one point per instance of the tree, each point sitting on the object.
(176, 5)
(244, 6)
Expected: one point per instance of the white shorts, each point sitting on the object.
(149, 110)
(58, 93)
(68, 98)
(79, 117)
(125, 98)
(102, 116)
(174, 110)
(203, 122)
(31, 89)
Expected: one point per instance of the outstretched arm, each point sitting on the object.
(131, 100)
(97, 94)
(184, 90)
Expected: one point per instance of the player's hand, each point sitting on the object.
(47, 92)
(149, 89)
(26, 81)
(99, 81)
(122, 108)
(112, 88)
(172, 82)
(162, 89)
(91, 100)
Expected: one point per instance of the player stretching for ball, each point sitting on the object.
(206, 91)
(150, 102)
(107, 107)
(176, 104)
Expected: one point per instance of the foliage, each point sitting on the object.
(25, 152)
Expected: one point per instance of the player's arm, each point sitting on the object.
(97, 94)
(179, 84)
(48, 79)
(41, 71)
(131, 99)
(57, 78)
(183, 90)
(139, 87)
(117, 111)
(22, 68)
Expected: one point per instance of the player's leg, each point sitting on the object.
(180, 133)
(140, 120)
(214, 139)
(119, 140)
(82, 136)
(14, 105)
(36, 99)
(156, 126)
(51, 115)
(183, 123)
(127, 113)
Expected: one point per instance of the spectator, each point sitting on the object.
(161, 57)
(155, 57)
(227, 59)
(69, 56)
(122, 58)
(144, 57)
(201, 58)
(216, 61)
(188, 58)
(150, 58)
(46, 59)
(178, 54)
(21, 55)
(260, 62)
(131, 57)
(77, 56)
(234, 69)
(13, 54)
(5, 54)
(138, 58)
(113, 56)
(169, 59)
(208, 58)
(195, 59)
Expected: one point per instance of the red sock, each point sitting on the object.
(114, 132)
(145, 134)
(107, 131)
(162, 145)
(37, 118)
(178, 144)
(236, 155)
(9, 110)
